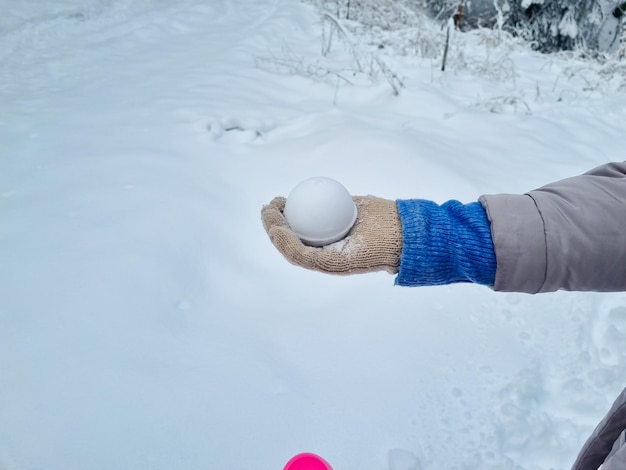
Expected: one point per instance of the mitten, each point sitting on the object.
(373, 244)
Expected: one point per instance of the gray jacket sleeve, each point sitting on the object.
(603, 446)
(568, 235)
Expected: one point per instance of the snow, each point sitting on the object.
(146, 321)
(567, 26)
(527, 3)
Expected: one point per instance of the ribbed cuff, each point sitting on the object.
(445, 244)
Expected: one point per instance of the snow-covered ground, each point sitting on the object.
(146, 321)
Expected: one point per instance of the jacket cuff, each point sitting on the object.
(519, 236)
(444, 244)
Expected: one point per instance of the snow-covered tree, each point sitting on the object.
(550, 25)
(554, 25)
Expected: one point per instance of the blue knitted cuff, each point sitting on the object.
(445, 244)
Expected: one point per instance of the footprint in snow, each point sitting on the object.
(609, 332)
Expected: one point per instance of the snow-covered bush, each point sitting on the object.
(385, 14)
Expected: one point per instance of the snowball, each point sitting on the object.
(320, 210)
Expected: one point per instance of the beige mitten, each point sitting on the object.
(373, 244)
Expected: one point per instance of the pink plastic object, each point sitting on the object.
(307, 461)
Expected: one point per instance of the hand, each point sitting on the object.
(373, 244)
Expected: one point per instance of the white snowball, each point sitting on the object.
(320, 210)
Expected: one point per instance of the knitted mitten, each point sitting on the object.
(373, 243)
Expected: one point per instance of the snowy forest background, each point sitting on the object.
(549, 25)
(146, 321)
